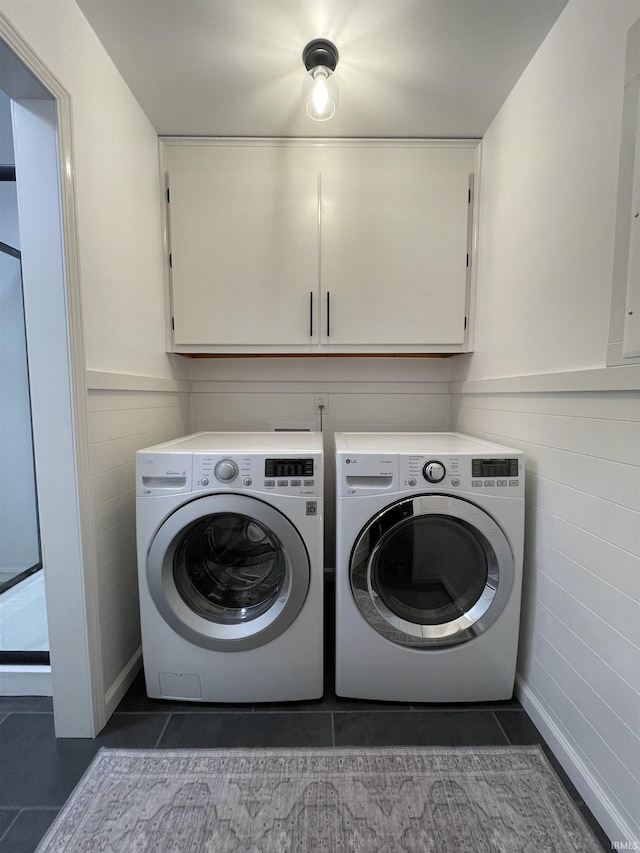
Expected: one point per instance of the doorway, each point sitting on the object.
(23, 619)
(42, 131)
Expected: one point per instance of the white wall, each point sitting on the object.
(117, 192)
(548, 201)
(545, 267)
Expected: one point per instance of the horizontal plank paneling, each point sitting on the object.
(112, 454)
(116, 423)
(112, 483)
(609, 562)
(116, 542)
(105, 401)
(605, 640)
(612, 606)
(612, 775)
(613, 523)
(113, 512)
(621, 739)
(623, 406)
(623, 700)
(580, 639)
(594, 437)
(120, 423)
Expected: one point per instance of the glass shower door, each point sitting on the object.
(20, 553)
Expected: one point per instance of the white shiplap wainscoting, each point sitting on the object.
(363, 394)
(125, 413)
(579, 661)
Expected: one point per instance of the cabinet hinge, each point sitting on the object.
(168, 196)
(469, 201)
(171, 261)
(173, 324)
(465, 324)
(467, 259)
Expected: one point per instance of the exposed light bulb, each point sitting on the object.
(320, 93)
(320, 90)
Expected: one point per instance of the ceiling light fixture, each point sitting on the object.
(320, 90)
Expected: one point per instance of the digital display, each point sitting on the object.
(288, 468)
(494, 467)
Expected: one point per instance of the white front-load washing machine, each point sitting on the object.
(429, 549)
(230, 566)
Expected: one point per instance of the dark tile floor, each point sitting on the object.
(38, 772)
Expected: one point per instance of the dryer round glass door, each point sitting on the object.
(432, 570)
(228, 572)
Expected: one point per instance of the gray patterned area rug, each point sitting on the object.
(416, 799)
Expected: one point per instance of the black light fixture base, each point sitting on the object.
(320, 52)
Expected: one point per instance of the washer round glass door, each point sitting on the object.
(228, 572)
(433, 570)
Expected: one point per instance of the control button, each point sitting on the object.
(476, 483)
(455, 482)
(269, 484)
(204, 481)
(312, 507)
(514, 482)
(283, 482)
(296, 482)
(489, 482)
(226, 470)
(247, 481)
(502, 482)
(412, 481)
(434, 471)
(307, 482)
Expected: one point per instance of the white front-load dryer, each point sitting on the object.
(429, 550)
(230, 566)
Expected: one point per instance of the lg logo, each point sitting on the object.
(350, 461)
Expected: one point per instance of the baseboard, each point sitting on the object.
(120, 686)
(604, 810)
(23, 680)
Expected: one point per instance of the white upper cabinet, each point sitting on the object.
(394, 245)
(319, 247)
(244, 253)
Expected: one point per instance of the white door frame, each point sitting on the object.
(53, 313)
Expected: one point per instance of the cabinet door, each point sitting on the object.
(244, 254)
(394, 254)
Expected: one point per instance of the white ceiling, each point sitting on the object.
(408, 68)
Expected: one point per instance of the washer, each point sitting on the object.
(429, 546)
(230, 566)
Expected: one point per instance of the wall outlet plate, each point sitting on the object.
(321, 401)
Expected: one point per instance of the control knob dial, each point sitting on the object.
(434, 471)
(226, 470)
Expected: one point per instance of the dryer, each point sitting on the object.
(230, 566)
(429, 550)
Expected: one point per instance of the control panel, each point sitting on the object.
(493, 475)
(292, 476)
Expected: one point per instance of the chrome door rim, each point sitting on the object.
(480, 616)
(224, 636)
